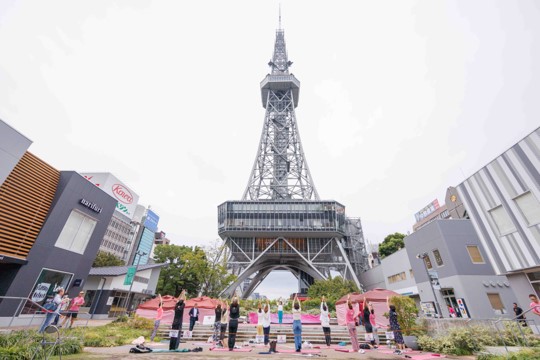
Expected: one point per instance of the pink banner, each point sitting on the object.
(287, 318)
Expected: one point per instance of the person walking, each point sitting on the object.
(280, 311)
(177, 321)
(297, 323)
(234, 314)
(266, 323)
(394, 326)
(325, 321)
(217, 321)
(350, 317)
(519, 315)
(535, 304)
(193, 316)
(52, 309)
(73, 309)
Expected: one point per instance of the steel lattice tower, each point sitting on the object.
(280, 223)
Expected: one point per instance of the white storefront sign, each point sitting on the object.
(40, 292)
(127, 200)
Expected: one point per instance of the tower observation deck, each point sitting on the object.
(281, 223)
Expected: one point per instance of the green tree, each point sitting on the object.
(106, 259)
(177, 274)
(333, 289)
(217, 277)
(391, 244)
(197, 270)
(407, 313)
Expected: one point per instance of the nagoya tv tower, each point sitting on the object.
(281, 223)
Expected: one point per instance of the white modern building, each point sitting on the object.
(502, 200)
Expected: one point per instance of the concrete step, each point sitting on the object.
(313, 334)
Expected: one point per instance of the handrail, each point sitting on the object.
(523, 313)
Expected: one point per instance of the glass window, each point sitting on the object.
(427, 260)
(529, 206)
(496, 304)
(44, 289)
(475, 255)
(76, 232)
(438, 258)
(502, 220)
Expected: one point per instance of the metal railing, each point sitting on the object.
(518, 321)
(35, 309)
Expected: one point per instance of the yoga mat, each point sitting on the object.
(345, 350)
(234, 350)
(306, 351)
(170, 351)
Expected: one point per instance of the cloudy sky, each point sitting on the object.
(399, 99)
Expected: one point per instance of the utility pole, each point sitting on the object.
(423, 256)
(141, 254)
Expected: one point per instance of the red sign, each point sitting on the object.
(122, 194)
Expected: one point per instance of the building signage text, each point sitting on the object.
(91, 206)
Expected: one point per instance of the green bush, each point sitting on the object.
(22, 345)
(407, 313)
(459, 341)
(526, 354)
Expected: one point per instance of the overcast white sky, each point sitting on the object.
(399, 99)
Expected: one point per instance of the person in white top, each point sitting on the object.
(52, 310)
(297, 323)
(259, 320)
(266, 323)
(325, 321)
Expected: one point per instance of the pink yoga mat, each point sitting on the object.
(307, 351)
(345, 350)
(234, 350)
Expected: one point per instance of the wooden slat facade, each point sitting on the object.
(25, 199)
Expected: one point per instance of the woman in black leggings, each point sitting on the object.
(234, 314)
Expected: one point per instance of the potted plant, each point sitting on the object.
(407, 313)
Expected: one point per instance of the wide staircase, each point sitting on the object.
(247, 332)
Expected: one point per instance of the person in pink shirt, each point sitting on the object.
(73, 309)
(159, 316)
(535, 304)
(350, 317)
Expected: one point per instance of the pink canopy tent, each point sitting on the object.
(205, 305)
(378, 299)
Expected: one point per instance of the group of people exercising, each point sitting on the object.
(227, 315)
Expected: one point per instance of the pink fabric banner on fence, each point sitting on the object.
(287, 318)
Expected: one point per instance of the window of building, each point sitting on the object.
(438, 258)
(427, 260)
(45, 287)
(475, 255)
(496, 303)
(411, 274)
(530, 208)
(76, 232)
(397, 277)
(502, 220)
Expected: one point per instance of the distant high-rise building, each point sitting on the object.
(118, 237)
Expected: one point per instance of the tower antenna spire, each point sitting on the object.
(279, 16)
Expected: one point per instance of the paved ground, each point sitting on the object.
(122, 352)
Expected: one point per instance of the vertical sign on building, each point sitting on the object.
(130, 275)
(463, 308)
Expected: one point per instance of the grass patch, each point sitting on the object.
(22, 345)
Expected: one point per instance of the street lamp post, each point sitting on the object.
(141, 254)
(423, 256)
